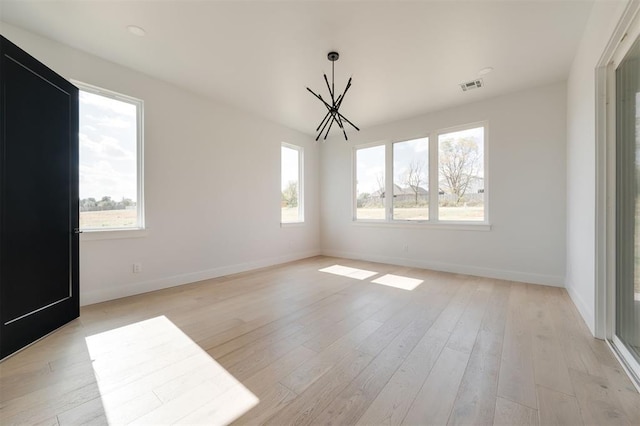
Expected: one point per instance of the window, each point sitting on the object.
(291, 182)
(461, 175)
(437, 178)
(110, 160)
(370, 183)
(411, 180)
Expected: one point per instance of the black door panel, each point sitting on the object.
(38, 200)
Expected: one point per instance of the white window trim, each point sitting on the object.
(132, 232)
(433, 222)
(300, 150)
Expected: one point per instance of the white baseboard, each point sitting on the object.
(118, 291)
(585, 311)
(550, 280)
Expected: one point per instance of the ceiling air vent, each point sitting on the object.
(473, 84)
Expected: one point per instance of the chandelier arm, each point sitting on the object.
(323, 127)
(320, 98)
(328, 87)
(345, 119)
(344, 93)
(327, 134)
(342, 127)
(340, 124)
(323, 120)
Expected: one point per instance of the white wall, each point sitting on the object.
(581, 158)
(526, 190)
(212, 185)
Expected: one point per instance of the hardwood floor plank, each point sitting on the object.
(549, 366)
(475, 402)
(271, 401)
(264, 380)
(597, 401)
(303, 409)
(48, 401)
(516, 380)
(243, 363)
(626, 393)
(466, 330)
(557, 408)
(435, 400)
(393, 402)
(354, 400)
(314, 368)
(322, 341)
(575, 344)
(263, 333)
(509, 413)
(449, 318)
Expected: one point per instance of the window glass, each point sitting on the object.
(370, 183)
(411, 180)
(109, 165)
(461, 175)
(291, 180)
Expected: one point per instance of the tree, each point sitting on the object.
(414, 177)
(459, 163)
(380, 184)
(106, 203)
(290, 194)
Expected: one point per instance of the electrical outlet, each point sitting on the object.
(137, 268)
(405, 248)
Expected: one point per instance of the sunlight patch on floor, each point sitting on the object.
(397, 281)
(150, 372)
(345, 271)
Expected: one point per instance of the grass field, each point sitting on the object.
(289, 214)
(108, 219)
(446, 213)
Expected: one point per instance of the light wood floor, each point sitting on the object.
(295, 345)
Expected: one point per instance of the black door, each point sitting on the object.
(38, 200)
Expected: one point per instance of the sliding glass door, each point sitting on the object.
(627, 285)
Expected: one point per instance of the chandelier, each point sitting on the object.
(333, 115)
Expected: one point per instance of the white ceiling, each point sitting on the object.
(406, 58)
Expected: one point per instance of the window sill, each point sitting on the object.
(444, 226)
(291, 224)
(112, 234)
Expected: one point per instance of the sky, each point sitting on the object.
(370, 166)
(289, 166)
(404, 153)
(108, 138)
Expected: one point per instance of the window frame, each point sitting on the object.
(433, 177)
(485, 172)
(140, 229)
(300, 151)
